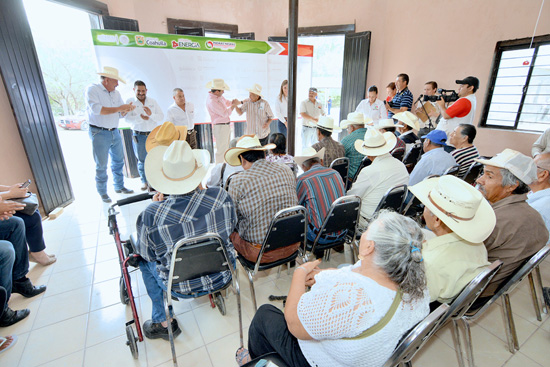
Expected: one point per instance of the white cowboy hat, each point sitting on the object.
(165, 134)
(521, 166)
(354, 118)
(217, 84)
(176, 169)
(459, 205)
(327, 123)
(246, 143)
(384, 123)
(110, 72)
(256, 89)
(408, 118)
(375, 143)
(308, 154)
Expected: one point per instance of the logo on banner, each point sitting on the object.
(221, 45)
(150, 41)
(107, 38)
(185, 43)
(124, 39)
(140, 40)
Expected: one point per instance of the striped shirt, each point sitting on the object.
(317, 189)
(333, 150)
(403, 98)
(219, 108)
(258, 117)
(163, 223)
(259, 193)
(354, 156)
(465, 157)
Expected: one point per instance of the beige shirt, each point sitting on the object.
(451, 263)
(313, 109)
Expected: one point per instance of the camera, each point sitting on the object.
(448, 95)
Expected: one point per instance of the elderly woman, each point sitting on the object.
(352, 316)
(279, 155)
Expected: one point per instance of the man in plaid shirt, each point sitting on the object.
(188, 212)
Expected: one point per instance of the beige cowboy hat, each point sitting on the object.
(354, 118)
(308, 154)
(110, 72)
(176, 169)
(375, 143)
(327, 123)
(521, 166)
(384, 123)
(246, 143)
(459, 205)
(408, 118)
(165, 134)
(217, 84)
(256, 89)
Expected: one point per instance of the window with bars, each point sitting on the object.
(519, 93)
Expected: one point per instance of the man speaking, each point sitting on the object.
(463, 110)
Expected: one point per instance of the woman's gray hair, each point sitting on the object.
(398, 245)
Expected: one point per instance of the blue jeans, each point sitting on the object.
(141, 153)
(12, 234)
(7, 259)
(104, 143)
(323, 240)
(33, 231)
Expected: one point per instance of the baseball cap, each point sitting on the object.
(470, 80)
(313, 89)
(521, 166)
(437, 137)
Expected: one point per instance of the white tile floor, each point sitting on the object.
(79, 321)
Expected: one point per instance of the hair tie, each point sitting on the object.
(416, 249)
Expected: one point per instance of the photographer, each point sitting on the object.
(463, 110)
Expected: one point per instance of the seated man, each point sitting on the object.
(539, 196)
(333, 149)
(461, 219)
(356, 130)
(318, 187)
(435, 160)
(520, 231)
(384, 173)
(388, 126)
(462, 139)
(259, 193)
(410, 123)
(189, 211)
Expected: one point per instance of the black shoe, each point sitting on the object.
(124, 190)
(106, 198)
(10, 317)
(153, 330)
(546, 294)
(26, 289)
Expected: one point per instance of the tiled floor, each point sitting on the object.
(80, 321)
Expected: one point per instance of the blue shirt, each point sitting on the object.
(97, 96)
(354, 156)
(433, 162)
(163, 223)
(403, 98)
(540, 201)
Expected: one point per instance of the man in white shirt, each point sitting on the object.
(376, 179)
(310, 110)
(539, 196)
(372, 107)
(542, 145)
(182, 113)
(145, 117)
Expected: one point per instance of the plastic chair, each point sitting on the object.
(473, 173)
(393, 199)
(342, 215)
(416, 338)
(504, 291)
(193, 258)
(453, 170)
(288, 227)
(341, 165)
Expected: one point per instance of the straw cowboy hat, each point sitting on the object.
(110, 72)
(521, 166)
(384, 123)
(176, 169)
(408, 118)
(375, 143)
(354, 118)
(327, 123)
(459, 205)
(165, 134)
(309, 153)
(246, 143)
(256, 89)
(217, 84)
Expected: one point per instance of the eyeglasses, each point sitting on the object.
(544, 169)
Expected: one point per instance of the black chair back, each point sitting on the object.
(364, 163)
(398, 153)
(393, 199)
(341, 165)
(474, 171)
(453, 170)
(413, 156)
(226, 185)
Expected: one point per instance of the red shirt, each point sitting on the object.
(460, 108)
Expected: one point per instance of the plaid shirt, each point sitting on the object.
(163, 223)
(354, 156)
(333, 150)
(259, 193)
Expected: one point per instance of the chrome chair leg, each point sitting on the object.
(534, 297)
(168, 311)
(468, 341)
(539, 280)
(252, 291)
(239, 308)
(458, 346)
(510, 326)
(279, 271)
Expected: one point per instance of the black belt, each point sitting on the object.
(103, 128)
(311, 127)
(142, 132)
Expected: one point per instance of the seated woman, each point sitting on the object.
(278, 155)
(353, 316)
(33, 226)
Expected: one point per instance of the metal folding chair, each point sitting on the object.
(393, 199)
(194, 258)
(274, 358)
(364, 163)
(226, 185)
(473, 173)
(413, 156)
(398, 153)
(341, 165)
(288, 227)
(453, 170)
